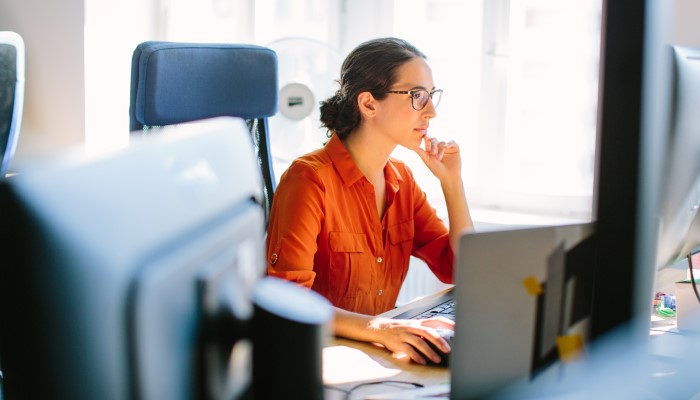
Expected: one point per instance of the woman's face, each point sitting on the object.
(396, 116)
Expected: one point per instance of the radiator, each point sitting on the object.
(420, 281)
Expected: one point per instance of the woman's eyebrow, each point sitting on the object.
(419, 87)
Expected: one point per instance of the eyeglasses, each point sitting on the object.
(420, 97)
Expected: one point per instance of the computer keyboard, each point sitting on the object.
(445, 309)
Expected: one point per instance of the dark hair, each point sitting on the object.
(370, 67)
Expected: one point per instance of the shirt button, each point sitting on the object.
(379, 259)
(273, 258)
(379, 293)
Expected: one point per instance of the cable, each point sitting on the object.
(329, 387)
(692, 277)
(348, 393)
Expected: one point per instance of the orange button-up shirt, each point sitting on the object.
(325, 232)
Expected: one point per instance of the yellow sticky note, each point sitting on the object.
(570, 347)
(532, 285)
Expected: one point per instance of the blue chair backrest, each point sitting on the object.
(173, 83)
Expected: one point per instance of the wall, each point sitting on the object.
(54, 109)
(685, 30)
(72, 45)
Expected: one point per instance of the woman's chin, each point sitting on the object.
(413, 146)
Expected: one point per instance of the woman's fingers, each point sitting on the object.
(436, 339)
(427, 333)
(409, 353)
(410, 340)
(416, 349)
(439, 322)
(437, 148)
(431, 145)
(441, 150)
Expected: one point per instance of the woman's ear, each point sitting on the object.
(366, 104)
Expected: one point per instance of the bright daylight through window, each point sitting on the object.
(519, 78)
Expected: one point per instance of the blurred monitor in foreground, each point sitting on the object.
(681, 184)
(648, 162)
(129, 275)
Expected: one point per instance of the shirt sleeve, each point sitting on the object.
(431, 242)
(295, 222)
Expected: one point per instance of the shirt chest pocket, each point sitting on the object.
(348, 242)
(401, 233)
(401, 241)
(350, 272)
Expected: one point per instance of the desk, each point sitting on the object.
(348, 363)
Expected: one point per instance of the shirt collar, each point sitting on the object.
(344, 164)
(347, 169)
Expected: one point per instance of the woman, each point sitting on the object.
(347, 217)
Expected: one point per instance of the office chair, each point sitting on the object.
(11, 95)
(173, 83)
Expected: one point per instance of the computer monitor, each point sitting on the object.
(648, 162)
(129, 274)
(680, 195)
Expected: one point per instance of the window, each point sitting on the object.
(449, 33)
(539, 96)
(520, 80)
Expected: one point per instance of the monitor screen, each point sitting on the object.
(118, 269)
(680, 195)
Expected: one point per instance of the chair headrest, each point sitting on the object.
(178, 82)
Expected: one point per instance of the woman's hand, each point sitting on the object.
(406, 339)
(443, 159)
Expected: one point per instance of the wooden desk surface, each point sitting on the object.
(348, 363)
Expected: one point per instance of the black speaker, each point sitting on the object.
(290, 327)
